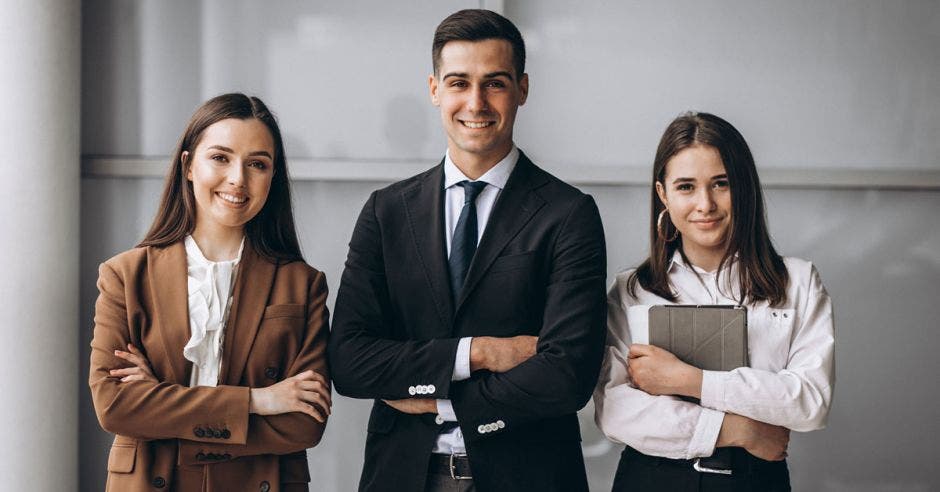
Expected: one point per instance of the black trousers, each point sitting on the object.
(639, 472)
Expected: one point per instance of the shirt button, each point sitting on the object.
(500, 424)
(438, 420)
(158, 482)
(412, 390)
(431, 389)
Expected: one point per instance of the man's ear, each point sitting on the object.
(524, 88)
(432, 87)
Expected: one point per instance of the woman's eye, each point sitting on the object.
(219, 158)
(257, 165)
(684, 187)
(721, 184)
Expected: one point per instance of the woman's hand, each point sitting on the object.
(766, 441)
(413, 406)
(140, 371)
(659, 372)
(307, 392)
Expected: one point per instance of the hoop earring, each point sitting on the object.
(659, 229)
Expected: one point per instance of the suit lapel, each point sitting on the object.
(168, 283)
(516, 205)
(252, 287)
(424, 208)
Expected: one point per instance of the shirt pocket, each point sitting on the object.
(770, 331)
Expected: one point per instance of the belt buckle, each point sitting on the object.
(453, 468)
(704, 469)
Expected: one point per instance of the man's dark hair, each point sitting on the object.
(478, 25)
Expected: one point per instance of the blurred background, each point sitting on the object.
(839, 100)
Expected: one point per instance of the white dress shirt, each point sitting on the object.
(789, 381)
(210, 286)
(495, 179)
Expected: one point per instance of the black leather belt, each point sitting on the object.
(456, 466)
(725, 461)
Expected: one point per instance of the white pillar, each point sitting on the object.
(40, 53)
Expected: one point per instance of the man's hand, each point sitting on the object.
(501, 354)
(414, 406)
(659, 372)
(766, 441)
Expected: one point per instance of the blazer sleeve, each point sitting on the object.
(288, 432)
(559, 379)
(163, 410)
(366, 359)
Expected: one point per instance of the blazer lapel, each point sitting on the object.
(424, 208)
(516, 205)
(252, 287)
(168, 284)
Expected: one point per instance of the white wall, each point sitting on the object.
(833, 85)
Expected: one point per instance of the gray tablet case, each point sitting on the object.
(712, 338)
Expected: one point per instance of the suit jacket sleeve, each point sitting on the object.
(164, 410)
(559, 379)
(366, 359)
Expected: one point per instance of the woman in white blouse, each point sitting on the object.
(208, 359)
(710, 245)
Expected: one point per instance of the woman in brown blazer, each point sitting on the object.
(208, 359)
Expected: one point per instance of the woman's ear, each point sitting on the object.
(189, 170)
(661, 191)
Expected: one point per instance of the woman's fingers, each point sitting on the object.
(312, 411)
(310, 375)
(125, 371)
(315, 397)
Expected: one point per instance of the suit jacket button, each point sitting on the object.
(438, 420)
(265, 486)
(500, 424)
(431, 389)
(271, 373)
(226, 434)
(158, 482)
(481, 429)
(412, 390)
(199, 432)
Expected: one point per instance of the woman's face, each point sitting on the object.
(231, 170)
(697, 196)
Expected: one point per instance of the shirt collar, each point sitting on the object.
(678, 261)
(195, 254)
(497, 176)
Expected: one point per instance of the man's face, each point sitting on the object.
(478, 92)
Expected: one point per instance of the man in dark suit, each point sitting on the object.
(472, 305)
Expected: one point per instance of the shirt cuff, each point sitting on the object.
(446, 410)
(462, 362)
(706, 433)
(713, 390)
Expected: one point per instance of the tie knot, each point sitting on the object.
(471, 189)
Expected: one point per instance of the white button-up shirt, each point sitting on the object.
(495, 179)
(789, 381)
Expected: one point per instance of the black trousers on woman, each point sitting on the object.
(638, 472)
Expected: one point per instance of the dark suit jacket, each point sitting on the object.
(539, 269)
(203, 439)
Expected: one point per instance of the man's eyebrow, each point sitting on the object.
(493, 75)
(460, 75)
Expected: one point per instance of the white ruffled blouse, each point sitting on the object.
(210, 285)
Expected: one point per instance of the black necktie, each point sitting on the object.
(464, 242)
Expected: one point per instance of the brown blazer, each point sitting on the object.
(170, 436)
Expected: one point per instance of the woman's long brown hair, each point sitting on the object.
(762, 274)
(271, 233)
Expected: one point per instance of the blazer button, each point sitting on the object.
(271, 373)
(265, 486)
(200, 456)
(226, 434)
(158, 482)
(500, 424)
(481, 429)
(431, 389)
(412, 390)
(227, 456)
(216, 433)
(199, 432)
